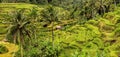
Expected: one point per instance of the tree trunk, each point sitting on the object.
(53, 36)
(21, 50)
(115, 3)
(14, 38)
(20, 43)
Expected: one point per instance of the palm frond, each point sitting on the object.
(24, 24)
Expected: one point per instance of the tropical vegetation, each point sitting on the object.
(59, 28)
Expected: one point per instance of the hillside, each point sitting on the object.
(97, 37)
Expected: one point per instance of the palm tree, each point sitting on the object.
(18, 28)
(50, 15)
(34, 18)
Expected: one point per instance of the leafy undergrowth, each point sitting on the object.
(12, 48)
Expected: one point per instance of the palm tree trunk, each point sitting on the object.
(14, 38)
(102, 8)
(53, 36)
(21, 50)
(115, 3)
(20, 43)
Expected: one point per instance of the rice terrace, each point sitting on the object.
(59, 28)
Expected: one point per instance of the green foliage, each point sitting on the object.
(49, 14)
(93, 28)
(3, 49)
(79, 36)
(92, 22)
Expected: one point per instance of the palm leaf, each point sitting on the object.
(11, 32)
(24, 24)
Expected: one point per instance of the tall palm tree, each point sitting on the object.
(50, 15)
(18, 28)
